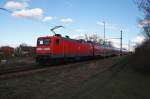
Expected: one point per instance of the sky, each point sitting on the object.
(30, 19)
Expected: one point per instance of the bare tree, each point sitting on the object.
(94, 38)
(24, 50)
(144, 6)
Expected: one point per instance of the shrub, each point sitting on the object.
(141, 58)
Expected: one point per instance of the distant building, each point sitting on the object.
(6, 51)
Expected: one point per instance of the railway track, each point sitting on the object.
(16, 69)
(28, 70)
(13, 72)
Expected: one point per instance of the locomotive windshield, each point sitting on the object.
(43, 41)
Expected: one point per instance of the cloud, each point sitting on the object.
(115, 42)
(48, 18)
(14, 5)
(67, 20)
(138, 39)
(78, 36)
(36, 13)
(143, 23)
(20, 9)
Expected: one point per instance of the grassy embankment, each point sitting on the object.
(86, 80)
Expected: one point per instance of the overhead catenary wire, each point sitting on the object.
(4, 9)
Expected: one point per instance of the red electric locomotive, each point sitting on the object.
(57, 47)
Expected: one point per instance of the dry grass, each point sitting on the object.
(83, 80)
(17, 62)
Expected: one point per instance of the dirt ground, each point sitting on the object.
(16, 62)
(98, 79)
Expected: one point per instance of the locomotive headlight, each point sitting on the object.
(46, 49)
(38, 49)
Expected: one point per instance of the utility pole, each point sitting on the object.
(104, 32)
(104, 38)
(121, 44)
(129, 45)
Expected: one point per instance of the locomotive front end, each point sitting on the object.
(43, 50)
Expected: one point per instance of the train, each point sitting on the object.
(56, 47)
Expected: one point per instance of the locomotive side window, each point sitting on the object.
(43, 42)
(57, 41)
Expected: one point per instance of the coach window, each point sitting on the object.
(57, 41)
